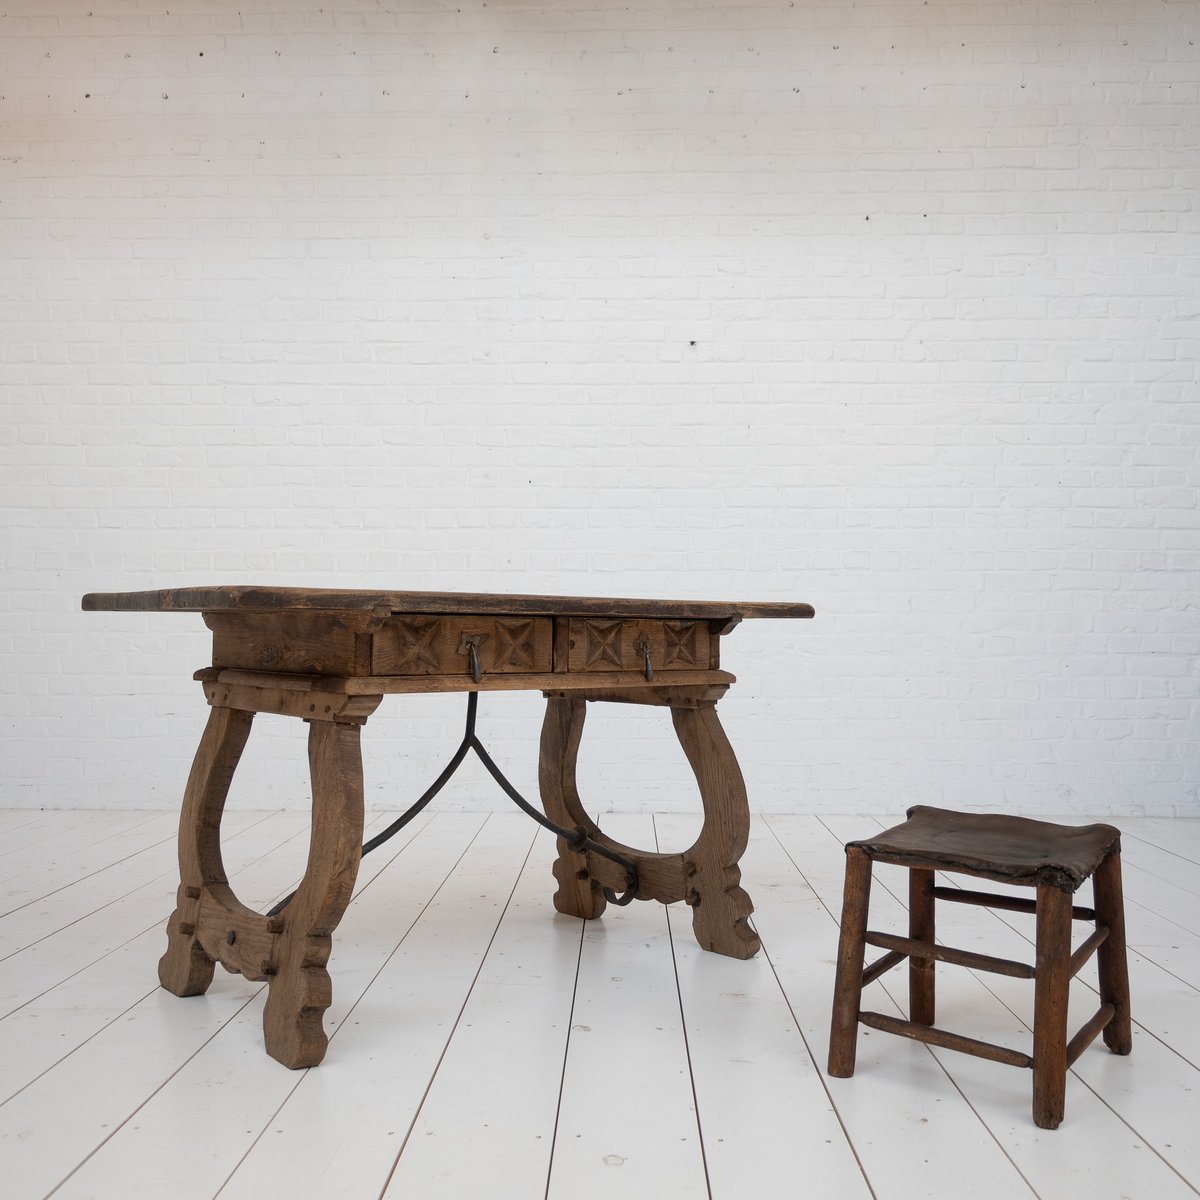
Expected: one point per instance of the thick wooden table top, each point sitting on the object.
(292, 599)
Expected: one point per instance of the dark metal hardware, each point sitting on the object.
(578, 838)
(643, 644)
(468, 644)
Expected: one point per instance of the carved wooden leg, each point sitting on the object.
(300, 988)
(720, 908)
(185, 968)
(707, 876)
(579, 893)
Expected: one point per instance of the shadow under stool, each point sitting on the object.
(1054, 859)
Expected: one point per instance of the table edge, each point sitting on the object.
(287, 599)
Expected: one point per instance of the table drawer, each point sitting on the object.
(441, 645)
(599, 645)
(299, 643)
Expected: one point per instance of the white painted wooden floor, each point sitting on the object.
(483, 1046)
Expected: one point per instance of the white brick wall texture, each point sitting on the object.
(889, 307)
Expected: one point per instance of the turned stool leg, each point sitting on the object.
(920, 928)
(847, 988)
(1113, 968)
(1051, 992)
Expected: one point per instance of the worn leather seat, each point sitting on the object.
(1016, 850)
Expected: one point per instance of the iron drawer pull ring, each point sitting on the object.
(578, 838)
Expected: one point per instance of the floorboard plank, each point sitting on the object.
(98, 889)
(78, 943)
(13, 821)
(58, 867)
(155, 1091)
(756, 1080)
(1180, 835)
(486, 1126)
(19, 823)
(627, 1121)
(1171, 868)
(64, 834)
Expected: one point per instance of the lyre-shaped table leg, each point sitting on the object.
(185, 968)
(707, 876)
(289, 948)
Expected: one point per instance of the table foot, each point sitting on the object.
(579, 893)
(297, 997)
(184, 969)
(719, 919)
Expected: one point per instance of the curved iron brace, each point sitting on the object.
(577, 838)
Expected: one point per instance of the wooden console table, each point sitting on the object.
(330, 656)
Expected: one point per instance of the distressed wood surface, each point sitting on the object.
(273, 599)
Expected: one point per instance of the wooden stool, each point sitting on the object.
(1055, 859)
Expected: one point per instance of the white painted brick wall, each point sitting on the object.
(894, 308)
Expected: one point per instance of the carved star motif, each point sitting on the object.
(417, 652)
(603, 646)
(514, 644)
(681, 644)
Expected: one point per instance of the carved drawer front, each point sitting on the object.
(623, 645)
(442, 645)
